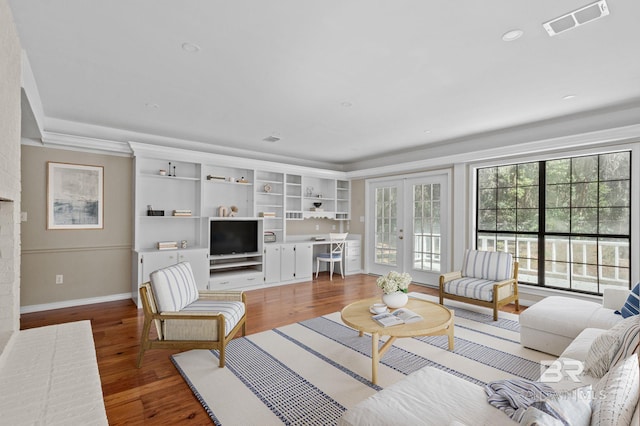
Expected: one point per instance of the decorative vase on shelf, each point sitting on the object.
(394, 300)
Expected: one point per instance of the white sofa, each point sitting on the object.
(553, 323)
(433, 397)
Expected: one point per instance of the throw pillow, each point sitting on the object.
(632, 305)
(613, 346)
(615, 396)
(565, 408)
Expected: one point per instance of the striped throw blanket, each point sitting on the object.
(513, 396)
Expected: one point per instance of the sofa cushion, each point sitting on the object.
(632, 304)
(613, 346)
(616, 394)
(488, 265)
(174, 287)
(580, 346)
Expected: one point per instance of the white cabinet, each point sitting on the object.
(353, 257)
(272, 263)
(287, 263)
(147, 262)
(304, 261)
(296, 262)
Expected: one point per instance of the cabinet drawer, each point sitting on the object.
(353, 263)
(353, 251)
(239, 281)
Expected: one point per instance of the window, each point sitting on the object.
(566, 221)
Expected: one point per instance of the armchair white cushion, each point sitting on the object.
(174, 287)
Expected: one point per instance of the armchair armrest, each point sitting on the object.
(500, 284)
(189, 316)
(226, 295)
(614, 298)
(449, 276)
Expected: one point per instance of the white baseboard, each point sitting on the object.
(75, 302)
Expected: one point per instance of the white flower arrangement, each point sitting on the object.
(393, 282)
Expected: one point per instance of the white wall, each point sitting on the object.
(10, 66)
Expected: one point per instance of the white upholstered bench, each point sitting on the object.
(553, 323)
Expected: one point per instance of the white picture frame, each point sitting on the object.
(75, 196)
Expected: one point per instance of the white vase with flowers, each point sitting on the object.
(394, 286)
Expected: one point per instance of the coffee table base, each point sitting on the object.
(378, 351)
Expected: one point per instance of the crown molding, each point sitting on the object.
(154, 151)
(619, 135)
(81, 143)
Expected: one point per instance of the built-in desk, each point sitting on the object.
(352, 255)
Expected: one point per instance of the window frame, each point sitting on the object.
(542, 234)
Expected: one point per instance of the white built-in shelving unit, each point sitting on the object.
(206, 185)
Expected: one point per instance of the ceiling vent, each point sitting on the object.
(576, 18)
(271, 139)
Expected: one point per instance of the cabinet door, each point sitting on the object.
(272, 263)
(199, 264)
(156, 260)
(304, 261)
(288, 262)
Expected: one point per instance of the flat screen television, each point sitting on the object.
(233, 236)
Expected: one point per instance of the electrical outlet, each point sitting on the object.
(59, 279)
(317, 227)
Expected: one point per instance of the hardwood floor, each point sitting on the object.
(156, 394)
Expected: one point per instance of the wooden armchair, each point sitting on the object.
(488, 279)
(187, 318)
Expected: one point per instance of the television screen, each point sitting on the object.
(233, 237)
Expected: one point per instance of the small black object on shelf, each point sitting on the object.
(155, 212)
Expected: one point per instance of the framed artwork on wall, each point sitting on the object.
(75, 196)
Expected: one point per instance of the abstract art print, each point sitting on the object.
(74, 196)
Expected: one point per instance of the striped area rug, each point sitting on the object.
(310, 372)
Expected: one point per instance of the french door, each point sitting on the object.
(410, 226)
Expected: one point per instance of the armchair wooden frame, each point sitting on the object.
(494, 304)
(150, 315)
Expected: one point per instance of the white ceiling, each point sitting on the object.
(339, 81)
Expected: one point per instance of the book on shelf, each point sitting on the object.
(167, 245)
(182, 212)
(214, 177)
(397, 317)
(267, 214)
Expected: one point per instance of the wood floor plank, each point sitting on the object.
(155, 394)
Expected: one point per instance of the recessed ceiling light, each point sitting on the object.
(190, 47)
(512, 35)
(271, 139)
(566, 98)
(427, 131)
(151, 105)
(346, 104)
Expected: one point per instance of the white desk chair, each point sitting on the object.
(337, 242)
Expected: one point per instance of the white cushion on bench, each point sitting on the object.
(551, 324)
